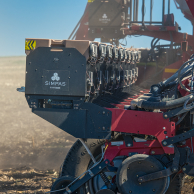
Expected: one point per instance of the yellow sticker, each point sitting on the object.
(30, 45)
(90, 1)
(170, 70)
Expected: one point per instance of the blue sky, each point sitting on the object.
(55, 19)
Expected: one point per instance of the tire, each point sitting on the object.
(62, 182)
(136, 166)
(176, 184)
(77, 162)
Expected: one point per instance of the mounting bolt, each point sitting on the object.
(129, 145)
(99, 167)
(164, 143)
(103, 128)
(153, 152)
(164, 128)
(140, 180)
(103, 112)
(174, 169)
(184, 169)
(124, 180)
(165, 116)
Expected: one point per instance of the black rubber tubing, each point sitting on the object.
(174, 76)
(166, 105)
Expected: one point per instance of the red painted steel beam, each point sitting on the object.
(190, 4)
(165, 35)
(148, 147)
(142, 122)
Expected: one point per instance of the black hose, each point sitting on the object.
(174, 76)
(170, 85)
(165, 105)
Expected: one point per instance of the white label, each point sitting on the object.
(104, 19)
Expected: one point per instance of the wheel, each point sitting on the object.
(61, 183)
(176, 184)
(136, 166)
(77, 161)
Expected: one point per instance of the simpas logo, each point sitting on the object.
(104, 16)
(104, 19)
(55, 77)
(55, 83)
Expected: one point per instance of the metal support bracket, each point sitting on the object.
(93, 172)
(178, 138)
(156, 175)
(128, 140)
(175, 112)
(163, 173)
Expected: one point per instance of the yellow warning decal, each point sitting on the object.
(170, 70)
(90, 1)
(30, 45)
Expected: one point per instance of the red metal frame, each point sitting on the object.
(162, 32)
(142, 122)
(190, 3)
(82, 32)
(157, 32)
(145, 123)
(148, 147)
(169, 33)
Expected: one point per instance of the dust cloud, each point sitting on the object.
(26, 139)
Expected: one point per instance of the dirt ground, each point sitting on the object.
(31, 150)
(27, 180)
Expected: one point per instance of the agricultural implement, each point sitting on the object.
(131, 140)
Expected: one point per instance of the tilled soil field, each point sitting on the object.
(31, 149)
(28, 180)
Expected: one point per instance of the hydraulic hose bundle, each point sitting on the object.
(156, 91)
